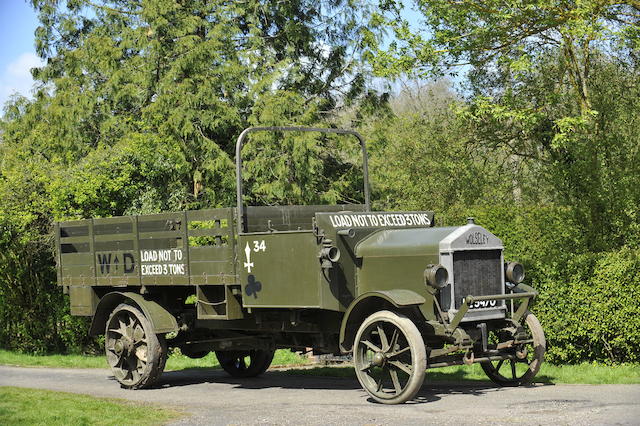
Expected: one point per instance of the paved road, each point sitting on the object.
(211, 397)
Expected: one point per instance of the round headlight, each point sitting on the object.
(331, 253)
(514, 272)
(436, 276)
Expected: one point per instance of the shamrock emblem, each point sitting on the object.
(253, 286)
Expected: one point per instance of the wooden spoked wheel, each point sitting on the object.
(389, 357)
(526, 358)
(134, 352)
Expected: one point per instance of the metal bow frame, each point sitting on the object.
(243, 136)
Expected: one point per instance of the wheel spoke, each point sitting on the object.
(141, 353)
(398, 352)
(138, 334)
(499, 365)
(366, 367)
(112, 357)
(379, 384)
(394, 378)
(129, 369)
(513, 369)
(394, 340)
(371, 346)
(383, 339)
(119, 372)
(135, 374)
(242, 365)
(402, 366)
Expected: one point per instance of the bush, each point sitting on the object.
(588, 302)
(590, 312)
(34, 314)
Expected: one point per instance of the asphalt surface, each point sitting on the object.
(210, 397)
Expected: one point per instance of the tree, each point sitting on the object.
(481, 33)
(535, 73)
(137, 110)
(445, 172)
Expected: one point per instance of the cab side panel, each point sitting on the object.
(279, 270)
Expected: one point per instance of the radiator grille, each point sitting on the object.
(476, 272)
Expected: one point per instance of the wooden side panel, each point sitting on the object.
(180, 248)
(212, 245)
(74, 249)
(164, 257)
(114, 251)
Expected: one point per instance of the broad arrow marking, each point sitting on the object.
(247, 253)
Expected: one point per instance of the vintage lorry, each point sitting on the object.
(398, 293)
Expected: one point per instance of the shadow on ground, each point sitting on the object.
(463, 377)
(330, 378)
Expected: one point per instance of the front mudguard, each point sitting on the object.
(371, 302)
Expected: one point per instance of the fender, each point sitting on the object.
(161, 320)
(367, 303)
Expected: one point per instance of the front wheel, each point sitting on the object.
(389, 357)
(526, 358)
(134, 352)
(243, 364)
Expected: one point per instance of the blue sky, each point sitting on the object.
(18, 22)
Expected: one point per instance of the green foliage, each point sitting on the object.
(33, 312)
(590, 308)
(552, 90)
(586, 162)
(439, 141)
(499, 33)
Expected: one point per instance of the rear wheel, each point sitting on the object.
(193, 354)
(134, 352)
(249, 363)
(526, 357)
(389, 357)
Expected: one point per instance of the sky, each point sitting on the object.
(18, 23)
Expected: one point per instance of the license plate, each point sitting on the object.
(483, 304)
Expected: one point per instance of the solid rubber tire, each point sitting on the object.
(156, 349)
(418, 354)
(540, 345)
(260, 360)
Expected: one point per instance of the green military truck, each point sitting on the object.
(398, 293)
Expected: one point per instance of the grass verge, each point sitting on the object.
(23, 406)
(591, 374)
(579, 374)
(176, 361)
(61, 361)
